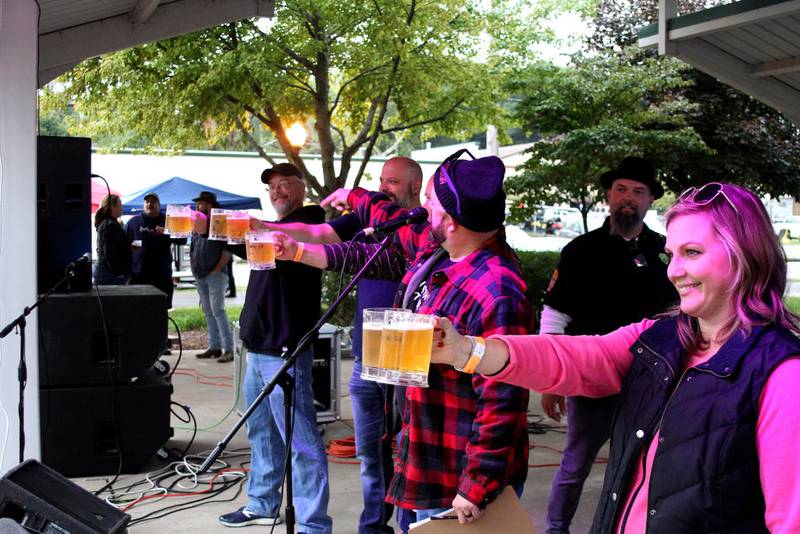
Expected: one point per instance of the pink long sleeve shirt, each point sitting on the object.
(594, 366)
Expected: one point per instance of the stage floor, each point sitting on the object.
(210, 403)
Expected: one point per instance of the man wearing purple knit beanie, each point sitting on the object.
(464, 438)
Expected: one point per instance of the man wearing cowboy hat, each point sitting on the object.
(607, 278)
(208, 261)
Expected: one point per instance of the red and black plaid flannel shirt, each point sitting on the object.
(463, 434)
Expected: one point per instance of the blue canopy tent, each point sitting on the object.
(178, 190)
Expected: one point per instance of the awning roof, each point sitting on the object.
(752, 45)
(73, 30)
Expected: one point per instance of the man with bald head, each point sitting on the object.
(401, 182)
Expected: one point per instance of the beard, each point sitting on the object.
(437, 233)
(625, 221)
(405, 200)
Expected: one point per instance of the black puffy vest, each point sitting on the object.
(705, 473)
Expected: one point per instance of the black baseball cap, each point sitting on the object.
(284, 169)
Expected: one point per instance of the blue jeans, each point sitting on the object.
(265, 432)
(374, 451)
(588, 428)
(212, 301)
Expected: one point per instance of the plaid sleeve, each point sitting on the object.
(375, 208)
(351, 256)
(493, 451)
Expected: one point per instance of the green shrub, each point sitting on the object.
(537, 269)
(794, 304)
(330, 289)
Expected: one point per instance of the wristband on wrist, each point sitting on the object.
(299, 254)
(475, 356)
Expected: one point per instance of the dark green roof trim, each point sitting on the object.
(706, 15)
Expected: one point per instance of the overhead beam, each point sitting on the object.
(143, 10)
(771, 68)
(737, 74)
(699, 29)
(65, 48)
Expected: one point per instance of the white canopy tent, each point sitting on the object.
(39, 41)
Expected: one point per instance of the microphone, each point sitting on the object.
(86, 258)
(417, 215)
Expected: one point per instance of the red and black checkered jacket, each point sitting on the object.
(463, 434)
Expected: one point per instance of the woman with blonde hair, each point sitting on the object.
(705, 432)
(114, 253)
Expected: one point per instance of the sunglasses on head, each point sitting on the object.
(442, 172)
(706, 194)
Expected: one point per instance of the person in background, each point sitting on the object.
(208, 260)
(605, 279)
(705, 432)
(231, 294)
(114, 252)
(152, 261)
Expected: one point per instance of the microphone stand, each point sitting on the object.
(286, 381)
(22, 371)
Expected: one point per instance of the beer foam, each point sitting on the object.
(410, 326)
(372, 326)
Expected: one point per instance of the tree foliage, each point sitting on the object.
(354, 70)
(593, 113)
(751, 143)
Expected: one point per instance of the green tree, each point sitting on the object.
(751, 143)
(591, 114)
(354, 70)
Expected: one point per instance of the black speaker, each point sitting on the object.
(77, 424)
(64, 210)
(41, 500)
(72, 340)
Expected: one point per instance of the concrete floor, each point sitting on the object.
(211, 403)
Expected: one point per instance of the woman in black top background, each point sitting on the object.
(114, 254)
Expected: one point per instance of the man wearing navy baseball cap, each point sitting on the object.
(464, 438)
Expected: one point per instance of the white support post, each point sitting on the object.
(667, 9)
(18, 31)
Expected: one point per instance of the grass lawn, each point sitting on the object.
(193, 318)
(794, 304)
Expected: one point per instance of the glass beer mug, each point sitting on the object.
(179, 220)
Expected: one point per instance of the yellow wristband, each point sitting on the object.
(299, 254)
(478, 350)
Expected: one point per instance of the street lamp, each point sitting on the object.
(297, 135)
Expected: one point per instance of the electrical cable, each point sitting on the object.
(237, 396)
(342, 448)
(180, 348)
(6, 432)
(190, 418)
(167, 482)
(113, 384)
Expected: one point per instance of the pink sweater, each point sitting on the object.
(594, 366)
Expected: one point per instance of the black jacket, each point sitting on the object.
(705, 475)
(281, 304)
(114, 247)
